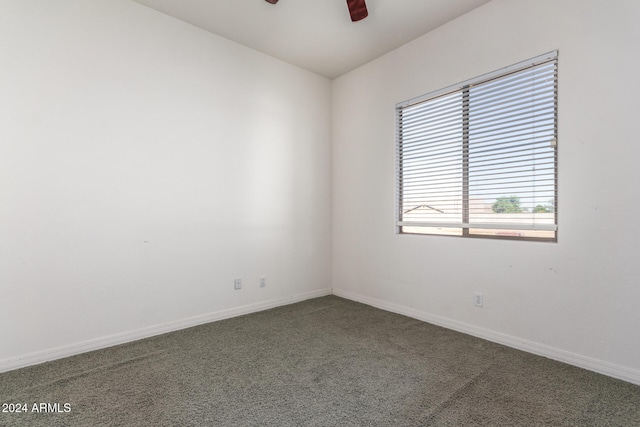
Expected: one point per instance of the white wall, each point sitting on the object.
(575, 300)
(145, 164)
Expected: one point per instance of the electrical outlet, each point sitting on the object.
(478, 299)
(263, 282)
(237, 284)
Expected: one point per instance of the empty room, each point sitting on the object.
(324, 213)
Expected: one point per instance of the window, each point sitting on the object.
(479, 159)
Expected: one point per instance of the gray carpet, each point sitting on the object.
(322, 362)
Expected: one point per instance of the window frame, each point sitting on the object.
(463, 88)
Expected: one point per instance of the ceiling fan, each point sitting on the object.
(357, 9)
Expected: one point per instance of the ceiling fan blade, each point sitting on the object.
(357, 9)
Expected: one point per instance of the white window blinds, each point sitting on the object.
(480, 159)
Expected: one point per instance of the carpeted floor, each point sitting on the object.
(322, 362)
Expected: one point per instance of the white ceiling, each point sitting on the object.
(317, 35)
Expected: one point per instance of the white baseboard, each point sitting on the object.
(600, 366)
(98, 343)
